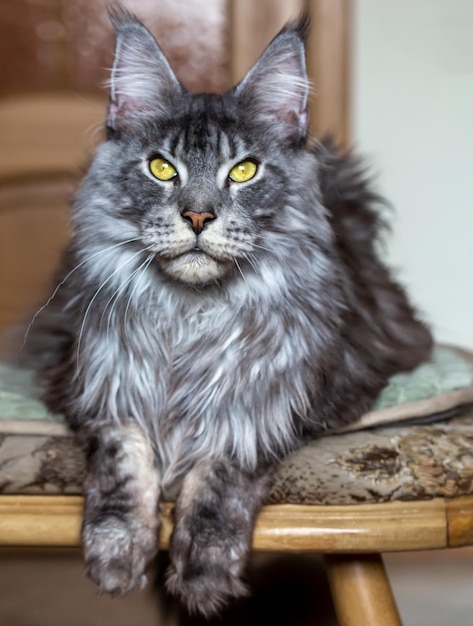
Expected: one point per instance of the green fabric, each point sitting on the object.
(19, 396)
(447, 371)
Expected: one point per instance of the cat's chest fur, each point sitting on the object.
(193, 372)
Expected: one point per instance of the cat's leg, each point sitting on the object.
(121, 523)
(214, 520)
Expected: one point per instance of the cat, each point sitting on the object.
(220, 303)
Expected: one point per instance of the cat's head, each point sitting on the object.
(200, 178)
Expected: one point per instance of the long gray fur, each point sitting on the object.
(222, 360)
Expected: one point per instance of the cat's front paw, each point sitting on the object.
(116, 553)
(204, 588)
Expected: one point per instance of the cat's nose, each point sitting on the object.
(197, 220)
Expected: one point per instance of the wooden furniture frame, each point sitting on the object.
(351, 537)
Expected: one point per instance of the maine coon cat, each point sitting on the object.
(220, 302)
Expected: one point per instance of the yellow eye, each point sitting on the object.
(243, 171)
(162, 169)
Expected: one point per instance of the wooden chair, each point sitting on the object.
(350, 497)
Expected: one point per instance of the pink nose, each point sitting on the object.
(198, 221)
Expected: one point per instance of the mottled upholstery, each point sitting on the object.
(395, 460)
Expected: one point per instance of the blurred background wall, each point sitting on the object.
(412, 115)
(394, 78)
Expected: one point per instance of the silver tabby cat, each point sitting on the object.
(221, 302)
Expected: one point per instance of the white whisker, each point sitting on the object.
(120, 267)
(239, 269)
(53, 295)
(145, 266)
(115, 294)
(257, 245)
(252, 261)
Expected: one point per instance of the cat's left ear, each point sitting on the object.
(276, 88)
(142, 82)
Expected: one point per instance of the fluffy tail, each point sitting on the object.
(394, 326)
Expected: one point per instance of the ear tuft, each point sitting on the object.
(276, 88)
(119, 15)
(300, 26)
(142, 82)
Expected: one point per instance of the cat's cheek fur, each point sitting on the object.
(168, 236)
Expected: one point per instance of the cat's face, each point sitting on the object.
(199, 178)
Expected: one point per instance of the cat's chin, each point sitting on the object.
(195, 268)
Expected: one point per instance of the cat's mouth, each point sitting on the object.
(195, 266)
(197, 250)
(196, 254)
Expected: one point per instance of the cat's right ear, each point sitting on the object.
(142, 82)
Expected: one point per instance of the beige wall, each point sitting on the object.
(413, 117)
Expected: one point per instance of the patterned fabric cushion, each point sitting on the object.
(38, 454)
